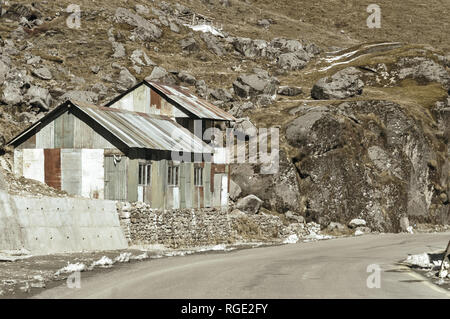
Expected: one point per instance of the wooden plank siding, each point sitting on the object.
(116, 178)
(132, 183)
(155, 102)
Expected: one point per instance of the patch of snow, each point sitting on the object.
(104, 262)
(140, 257)
(214, 248)
(70, 268)
(123, 258)
(420, 260)
(438, 263)
(292, 239)
(443, 273)
(359, 232)
(206, 28)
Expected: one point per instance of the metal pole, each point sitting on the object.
(446, 252)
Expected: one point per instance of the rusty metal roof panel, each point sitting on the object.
(197, 106)
(140, 130)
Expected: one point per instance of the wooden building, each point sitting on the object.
(175, 102)
(125, 151)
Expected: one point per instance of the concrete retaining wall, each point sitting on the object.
(53, 225)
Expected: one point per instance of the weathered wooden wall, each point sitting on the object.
(67, 132)
(93, 174)
(76, 171)
(145, 100)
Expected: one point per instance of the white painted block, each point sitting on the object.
(93, 173)
(176, 197)
(33, 164)
(18, 162)
(224, 191)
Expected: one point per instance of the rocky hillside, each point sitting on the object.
(363, 113)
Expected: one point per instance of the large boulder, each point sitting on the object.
(39, 97)
(292, 61)
(159, 74)
(423, 69)
(249, 204)
(371, 160)
(252, 85)
(343, 84)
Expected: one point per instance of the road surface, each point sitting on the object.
(325, 269)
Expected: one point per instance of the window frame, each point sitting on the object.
(198, 176)
(145, 174)
(173, 170)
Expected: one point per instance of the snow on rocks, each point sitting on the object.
(123, 258)
(420, 260)
(291, 239)
(205, 28)
(70, 268)
(357, 222)
(104, 262)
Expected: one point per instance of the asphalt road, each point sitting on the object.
(326, 269)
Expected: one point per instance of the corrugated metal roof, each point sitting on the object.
(197, 106)
(140, 130)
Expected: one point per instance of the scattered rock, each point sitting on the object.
(118, 50)
(160, 74)
(186, 78)
(343, 84)
(141, 9)
(249, 204)
(251, 85)
(238, 109)
(126, 79)
(293, 216)
(292, 61)
(39, 97)
(289, 90)
(42, 73)
(139, 57)
(189, 44)
(145, 30)
(221, 95)
(82, 96)
(95, 69)
(213, 44)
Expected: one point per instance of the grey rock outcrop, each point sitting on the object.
(343, 84)
(252, 85)
(160, 74)
(374, 157)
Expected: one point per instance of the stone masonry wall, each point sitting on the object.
(187, 227)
